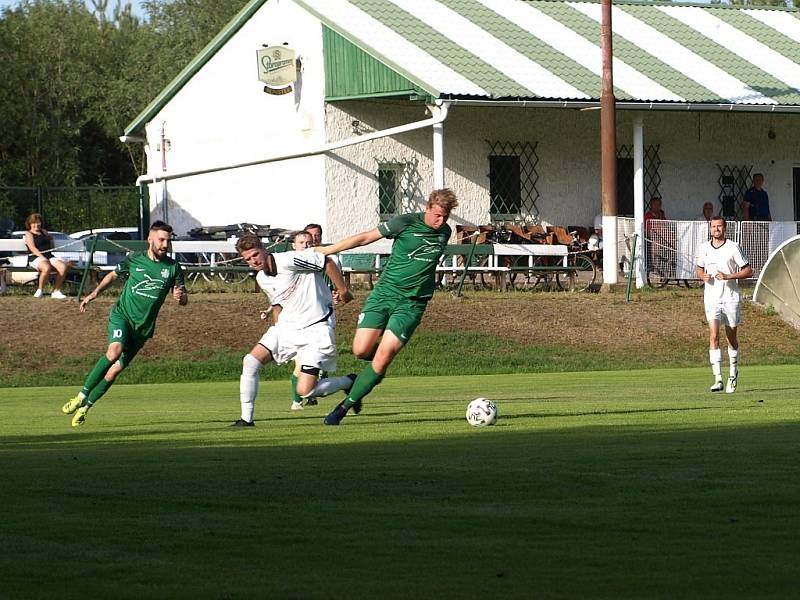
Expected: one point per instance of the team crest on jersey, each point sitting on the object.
(164, 273)
(147, 286)
(429, 251)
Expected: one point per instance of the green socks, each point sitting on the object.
(295, 396)
(98, 391)
(96, 375)
(366, 381)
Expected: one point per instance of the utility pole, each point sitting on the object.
(608, 150)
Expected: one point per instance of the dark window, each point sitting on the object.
(388, 189)
(625, 187)
(504, 185)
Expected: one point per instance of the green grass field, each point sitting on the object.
(592, 485)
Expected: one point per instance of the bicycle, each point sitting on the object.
(662, 268)
(581, 271)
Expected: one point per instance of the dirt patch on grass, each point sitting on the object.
(667, 322)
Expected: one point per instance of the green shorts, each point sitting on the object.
(120, 330)
(386, 310)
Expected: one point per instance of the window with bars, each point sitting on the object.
(512, 181)
(398, 186)
(734, 180)
(652, 177)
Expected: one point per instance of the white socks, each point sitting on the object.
(329, 385)
(248, 385)
(715, 357)
(733, 358)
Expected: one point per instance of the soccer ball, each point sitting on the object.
(481, 412)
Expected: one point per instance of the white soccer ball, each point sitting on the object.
(481, 412)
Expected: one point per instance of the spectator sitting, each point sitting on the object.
(708, 212)
(39, 244)
(596, 239)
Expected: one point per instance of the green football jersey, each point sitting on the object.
(147, 284)
(417, 248)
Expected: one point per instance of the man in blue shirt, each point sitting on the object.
(755, 205)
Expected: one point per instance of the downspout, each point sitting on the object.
(438, 148)
(438, 115)
(638, 198)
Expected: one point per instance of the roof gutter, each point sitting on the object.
(589, 104)
(438, 115)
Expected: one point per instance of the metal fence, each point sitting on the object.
(672, 246)
(70, 209)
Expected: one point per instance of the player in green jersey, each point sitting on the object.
(396, 305)
(149, 278)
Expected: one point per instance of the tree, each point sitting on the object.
(48, 55)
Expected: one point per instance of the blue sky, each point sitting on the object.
(135, 4)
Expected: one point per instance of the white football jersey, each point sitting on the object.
(298, 287)
(726, 259)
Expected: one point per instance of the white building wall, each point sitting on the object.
(222, 116)
(568, 147)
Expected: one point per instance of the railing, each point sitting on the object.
(674, 244)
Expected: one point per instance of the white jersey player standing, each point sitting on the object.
(305, 327)
(720, 264)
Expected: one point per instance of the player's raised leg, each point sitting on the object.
(369, 378)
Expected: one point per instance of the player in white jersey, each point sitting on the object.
(305, 326)
(721, 265)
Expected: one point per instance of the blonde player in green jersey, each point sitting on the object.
(396, 305)
(149, 278)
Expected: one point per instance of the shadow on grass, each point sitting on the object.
(596, 511)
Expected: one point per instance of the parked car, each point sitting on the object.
(102, 258)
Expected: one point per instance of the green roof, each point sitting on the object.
(544, 50)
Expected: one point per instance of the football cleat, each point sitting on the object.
(357, 407)
(732, 381)
(242, 423)
(311, 402)
(297, 405)
(80, 416)
(718, 386)
(72, 405)
(336, 415)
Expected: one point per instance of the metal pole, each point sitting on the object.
(631, 267)
(144, 211)
(608, 150)
(88, 266)
(466, 266)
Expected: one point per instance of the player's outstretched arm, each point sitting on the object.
(354, 241)
(342, 293)
(110, 277)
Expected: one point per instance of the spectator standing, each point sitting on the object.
(755, 206)
(655, 233)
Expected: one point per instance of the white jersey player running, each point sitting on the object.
(305, 327)
(720, 264)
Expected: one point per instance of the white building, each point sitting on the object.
(712, 91)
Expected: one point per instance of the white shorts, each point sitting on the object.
(39, 260)
(314, 346)
(727, 313)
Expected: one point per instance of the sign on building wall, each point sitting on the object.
(277, 68)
